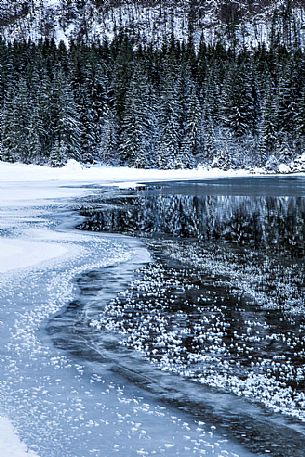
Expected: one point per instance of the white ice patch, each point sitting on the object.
(10, 444)
(15, 253)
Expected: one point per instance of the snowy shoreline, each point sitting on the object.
(77, 174)
(107, 175)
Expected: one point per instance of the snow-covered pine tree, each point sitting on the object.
(169, 120)
(15, 122)
(191, 114)
(65, 120)
(138, 121)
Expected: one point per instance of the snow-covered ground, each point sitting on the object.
(41, 392)
(25, 185)
(74, 172)
(10, 445)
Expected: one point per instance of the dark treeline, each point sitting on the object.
(140, 106)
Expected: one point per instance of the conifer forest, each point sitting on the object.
(177, 104)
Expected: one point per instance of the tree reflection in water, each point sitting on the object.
(222, 303)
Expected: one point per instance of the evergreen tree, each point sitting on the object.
(191, 114)
(15, 122)
(65, 121)
(108, 145)
(238, 102)
(138, 122)
(169, 114)
(268, 129)
(173, 106)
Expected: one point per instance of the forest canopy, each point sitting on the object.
(177, 106)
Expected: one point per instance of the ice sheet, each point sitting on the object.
(23, 187)
(10, 445)
(15, 253)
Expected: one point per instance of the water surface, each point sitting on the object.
(214, 324)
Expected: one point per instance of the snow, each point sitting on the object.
(284, 168)
(10, 445)
(254, 30)
(75, 172)
(23, 185)
(15, 254)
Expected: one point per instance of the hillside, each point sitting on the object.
(244, 23)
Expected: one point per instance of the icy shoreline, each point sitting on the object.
(24, 244)
(75, 173)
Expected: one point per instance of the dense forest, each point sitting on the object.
(173, 106)
(152, 83)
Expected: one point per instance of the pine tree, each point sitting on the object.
(169, 114)
(268, 129)
(65, 121)
(107, 151)
(138, 122)
(15, 122)
(191, 114)
(238, 101)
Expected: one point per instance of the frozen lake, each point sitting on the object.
(73, 403)
(186, 339)
(221, 303)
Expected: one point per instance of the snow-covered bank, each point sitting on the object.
(57, 409)
(28, 244)
(32, 179)
(74, 172)
(23, 185)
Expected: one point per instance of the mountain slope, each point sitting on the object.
(247, 23)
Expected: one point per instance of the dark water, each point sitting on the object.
(215, 324)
